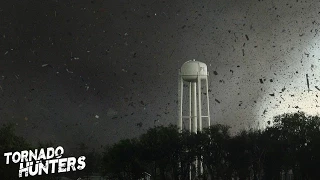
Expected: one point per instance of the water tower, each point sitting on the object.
(193, 73)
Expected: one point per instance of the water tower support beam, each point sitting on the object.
(194, 107)
(190, 114)
(208, 104)
(199, 105)
(200, 169)
(180, 100)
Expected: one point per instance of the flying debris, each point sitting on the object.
(261, 81)
(308, 82)
(96, 116)
(69, 71)
(264, 112)
(317, 88)
(247, 37)
(45, 65)
(217, 100)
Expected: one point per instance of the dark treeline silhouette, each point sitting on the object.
(289, 148)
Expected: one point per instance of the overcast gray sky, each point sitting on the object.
(100, 71)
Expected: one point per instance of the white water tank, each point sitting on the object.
(190, 70)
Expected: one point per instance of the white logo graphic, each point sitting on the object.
(44, 162)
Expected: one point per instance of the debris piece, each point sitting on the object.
(308, 82)
(264, 112)
(68, 71)
(217, 100)
(247, 37)
(96, 116)
(87, 87)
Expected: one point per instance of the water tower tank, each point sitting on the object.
(190, 70)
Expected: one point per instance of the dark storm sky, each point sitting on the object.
(99, 71)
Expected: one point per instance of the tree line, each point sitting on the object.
(291, 144)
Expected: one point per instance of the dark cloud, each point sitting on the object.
(99, 71)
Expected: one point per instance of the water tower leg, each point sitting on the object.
(199, 170)
(199, 105)
(194, 115)
(208, 110)
(180, 102)
(194, 107)
(190, 107)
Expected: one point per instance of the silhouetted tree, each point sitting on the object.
(161, 148)
(122, 161)
(239, 155)
(299, 134)
(214, 151)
